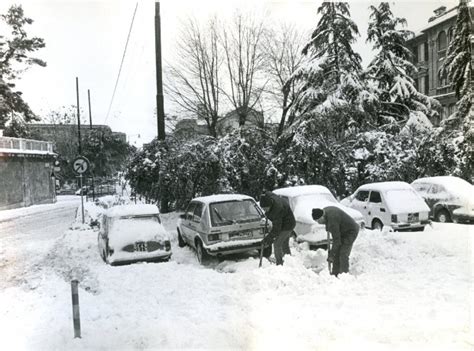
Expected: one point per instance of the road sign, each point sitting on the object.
(80, 165)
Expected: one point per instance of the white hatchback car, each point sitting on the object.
(449, 198)
(394, 204)
(131, 233)
(302, 199)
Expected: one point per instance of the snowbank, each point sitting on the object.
(406, 291)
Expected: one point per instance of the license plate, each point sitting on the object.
(240, 235)
(140, 246)
(413, 217)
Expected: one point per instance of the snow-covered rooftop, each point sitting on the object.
(221, 197)
(302, 190)
(384, 186)
(132, 210)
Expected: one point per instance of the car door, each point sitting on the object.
(195, 223)
(377, 209)
(186, 224)
(360, 203)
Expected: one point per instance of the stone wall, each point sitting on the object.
(26, 180)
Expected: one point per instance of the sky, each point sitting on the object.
(86, 39)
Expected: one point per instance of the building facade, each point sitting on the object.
(191, 128)
(26, 173)
(430, 46)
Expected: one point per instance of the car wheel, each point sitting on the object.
(443, 216)
(377, 225)
(267, 251)
(202, 256)
(181, 242)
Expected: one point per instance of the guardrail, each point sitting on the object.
(25, 145)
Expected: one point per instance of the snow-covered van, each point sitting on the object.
(394, 204)
(131, 233)
(449, 198)
(219, 225)
(302, 199)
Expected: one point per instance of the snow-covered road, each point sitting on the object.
(406, 291)
(27, 235)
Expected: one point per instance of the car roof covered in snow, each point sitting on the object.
(449, 182)
(221, 198)
(132, 210)
(384, 186)
(302, 190)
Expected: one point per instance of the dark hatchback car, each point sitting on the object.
(220, 225)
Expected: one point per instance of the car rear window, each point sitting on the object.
(231, 212)
(152, 218)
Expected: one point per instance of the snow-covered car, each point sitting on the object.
(449, 198)
(223, 224)
(132, 233)
(394, 204)
(302, 199)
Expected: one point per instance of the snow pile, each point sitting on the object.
(406, 291)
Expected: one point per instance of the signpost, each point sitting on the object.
(80, 166)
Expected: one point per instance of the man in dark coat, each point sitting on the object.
(344, 232)
(279, 212)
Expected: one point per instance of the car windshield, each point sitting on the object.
(231, 212)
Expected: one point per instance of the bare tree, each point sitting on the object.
(283, 56)
(194, 82)
(245, 60)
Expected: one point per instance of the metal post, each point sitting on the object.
(90, 113)
(78, 117)
(75, 309)
(82, 197)
(160, 114)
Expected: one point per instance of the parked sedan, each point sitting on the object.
(220, 225)
(449, 198)
(394, 204)
(302, 199)
(131, 233)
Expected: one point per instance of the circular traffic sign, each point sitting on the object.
(80, 165)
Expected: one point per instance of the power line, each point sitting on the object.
(121, 64)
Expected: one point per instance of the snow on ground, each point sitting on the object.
(406, 291)
(24, 211)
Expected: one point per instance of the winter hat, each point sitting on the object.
(317, 213)
(265, 201)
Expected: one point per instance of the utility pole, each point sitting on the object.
(90, 114)
(78, 118)
(160, 113)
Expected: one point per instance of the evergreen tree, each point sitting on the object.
(15, 51)
(458, 66)
(391, 69)
(330, 71)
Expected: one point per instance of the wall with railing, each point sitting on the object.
(20, 145)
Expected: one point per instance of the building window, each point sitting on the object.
(427, 85)
(451, 34)
(442, 44)
(441, 79)
(451, 109)
(426, 51)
